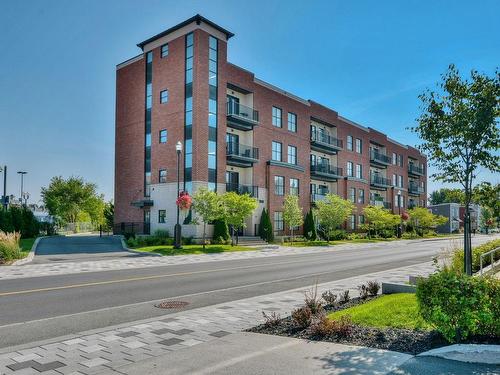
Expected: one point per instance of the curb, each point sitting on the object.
(468, 353)
(29, 258)
(126, 248)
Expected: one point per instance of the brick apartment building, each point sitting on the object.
(242, 134)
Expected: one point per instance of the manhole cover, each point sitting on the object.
(172, 304)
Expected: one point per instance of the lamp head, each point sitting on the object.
(178, 146)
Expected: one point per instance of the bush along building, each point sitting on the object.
(240, 134)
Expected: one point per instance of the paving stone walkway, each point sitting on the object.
(35, 270)
(106, 350)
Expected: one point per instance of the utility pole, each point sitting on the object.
(22, 173)
(4, 197)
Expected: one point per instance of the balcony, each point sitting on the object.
(241, 117)
(415, 170)
(239, 155)
(414, 189)
(318, 197)
(379, 181)
(325, 172)
(379, 159)
(386, 205)
(325, 143)
(253, 191)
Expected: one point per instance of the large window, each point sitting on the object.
(163, 96)
(162, 215)
(352, 195)
(350, 171)
(400, 160)
(292, 122)
(277, 117)
(361, 196)
(400, 181)
(292, 155)
(361, 219)
(163, 136)
(212, 112)
(188, 115)
(149, 105)
(294, 186)
(394, 158)
(278, 220)
(349, 142)
(352, 220)
(394, 180)
(164, 50)
(277, 150)
(358, 146)
(279, 185)
(359, 171)
(162, 176)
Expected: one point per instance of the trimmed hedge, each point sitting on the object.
(20, 220)
(457, 260)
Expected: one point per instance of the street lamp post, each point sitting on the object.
(178, 228)
(399, 207)
(22, 173)
(4, 196)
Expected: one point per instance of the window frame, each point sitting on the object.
(349, 143)
(293, 155)
(160, 177)
(279, 111)
(279, 224)
(293, 116)
(352, 194)
(164, 99)
(359, 168)
(361, 196)
(294, 190)
(359, 145)
(279, 188)
(273, 151)
(350, 168)
(162, 50)
(162, 216)
(161, 136)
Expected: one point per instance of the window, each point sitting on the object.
(352, 195)
(361, 196)
(292, 155)
(163, 96)
(361, 219)
(394, 180)
(396, 201)
(164, 50)
(400, 160)
(162, 176)
(294, 186)
(292, 122)
(276, 154)
(352, 220)
(350, 172)
(278, 220)
(163, 136)
(277, 117)
(400, 181)
(358, 146)
(359, 171)
(279, 185)
(162, 214)
(394, 158)
(349, 142)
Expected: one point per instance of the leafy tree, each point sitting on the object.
(332, 212)
(6, 221)
(31, 226)
(65, 199)
(423, 220)
(236, 208)
(488, 221)
(488, 195)
(266, 227)
(208, 206)
(221, 231)
(446, 195)
(310, 227)
(460, 133)
(378, 219)
(109, 215)
(292, 213)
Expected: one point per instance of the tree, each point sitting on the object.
(488, 221)
(460, 133)
(487, 195)
(332, 212)
(310, 227)
(221, 232)
(236, 208)
(446, 195)
(378, 219)
(66, 199)
(109, 215)
(208, 206)
(292, 213)
(423, 220)
(266, 227)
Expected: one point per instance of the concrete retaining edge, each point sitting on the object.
(29, 258)
(469, 353)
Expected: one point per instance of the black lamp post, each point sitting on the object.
(399, 207)
(178, 228)
(22, 173)
(4, 196)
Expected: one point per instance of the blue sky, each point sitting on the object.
(368, 60)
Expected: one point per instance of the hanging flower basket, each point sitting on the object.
(405, 216)
(184, 201)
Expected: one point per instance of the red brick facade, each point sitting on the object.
(168, 73)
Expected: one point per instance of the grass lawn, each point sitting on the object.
(193, 249)
(324, 243)
(26, 245)
(392, 310)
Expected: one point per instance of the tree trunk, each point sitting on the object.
(467, 227)
(204, 228)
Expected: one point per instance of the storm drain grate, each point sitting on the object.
(172, 304)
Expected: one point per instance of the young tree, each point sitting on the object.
(446, 195)
(460, 133)
(310, 227)
(109, 214)
(236, 208)
(208, 206)
(487, 195)
(332, 212)
(292, 213)
(379, 219)
(221, 231)
(266, 227)
(488, 221)
(422, 219)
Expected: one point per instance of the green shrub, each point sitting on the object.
(161, 233)
(338, 235)
(221, 232)
(356, 236)
(6, 221)
(457, 259)
(31, 226)
(9, 246)
(459, 305)
(266, 227)
(310, 227)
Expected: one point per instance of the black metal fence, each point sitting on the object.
(128, 228)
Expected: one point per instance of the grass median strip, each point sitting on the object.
(193, 249)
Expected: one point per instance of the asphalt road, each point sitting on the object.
(44, 307)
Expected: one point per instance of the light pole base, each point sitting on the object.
(177, 236)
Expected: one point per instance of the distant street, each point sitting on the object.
(44, 307)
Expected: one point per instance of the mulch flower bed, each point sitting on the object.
(395, 339)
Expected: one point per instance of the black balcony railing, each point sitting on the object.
(326, 169)
(415, 170)
(384, 204)
(413, 188)
(242, 151)
(318, 197)
(377, 180)
(242, 111)
(326, 139)
(378, 157)
(243, 189)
